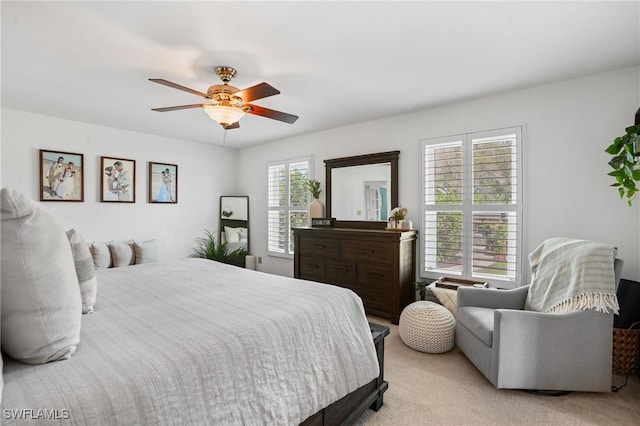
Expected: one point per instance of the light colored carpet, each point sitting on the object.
(446, 389)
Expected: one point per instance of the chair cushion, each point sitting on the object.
(479, 321)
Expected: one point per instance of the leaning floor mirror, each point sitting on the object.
(234, 222)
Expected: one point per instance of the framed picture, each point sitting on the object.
(163, 183)
(61, 176)
(117, 180)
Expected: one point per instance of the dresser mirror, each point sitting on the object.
(234, 222)
(361, 190)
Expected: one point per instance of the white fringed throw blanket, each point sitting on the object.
(570, 275)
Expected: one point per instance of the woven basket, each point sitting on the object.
(626, 349)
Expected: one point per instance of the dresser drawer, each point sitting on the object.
(368, 251)
(340, 271)
(376, 299)
(312, 267)
(375, 276)
(327, 247)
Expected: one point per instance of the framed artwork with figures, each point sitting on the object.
(163, 183)
(61, 176)
(117, 180)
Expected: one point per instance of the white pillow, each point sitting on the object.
(231, 235)
(101, 255)
(146, 251)
(85, 270)
(41, 304)
(243, 234)
(122, 254)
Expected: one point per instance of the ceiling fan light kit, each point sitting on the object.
(223, 115)
(228, 104)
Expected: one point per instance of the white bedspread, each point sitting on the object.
(196, 342)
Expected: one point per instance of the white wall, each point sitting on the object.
(204, 171)
(567, 127)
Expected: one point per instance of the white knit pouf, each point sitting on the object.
(427, 327)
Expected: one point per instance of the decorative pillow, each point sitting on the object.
(146, 251)
(231, 235)
(84, 270)
(447, 297)
(101, 255)
(41, 304)
(243, 234)
(122, 254)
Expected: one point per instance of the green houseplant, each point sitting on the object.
(421, 286)
(313, 186)
(625, 150)
(208, 249)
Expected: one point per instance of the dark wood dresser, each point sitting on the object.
(378, 265)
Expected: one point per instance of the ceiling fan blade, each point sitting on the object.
(270, 113)
(232, 126)
(176, 86)
(258, 91)
(175, 108)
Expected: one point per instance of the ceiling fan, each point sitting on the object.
(228, 104)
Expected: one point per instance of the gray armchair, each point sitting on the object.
(519, 349)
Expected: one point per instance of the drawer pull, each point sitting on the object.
(375, 274)
(366, 251)
(341, 270)
(318, 246)
(311, 265)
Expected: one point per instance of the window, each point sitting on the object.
(288, 203)
(472, 221)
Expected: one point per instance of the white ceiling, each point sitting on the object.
(335, 63)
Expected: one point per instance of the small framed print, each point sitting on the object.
(117, 180)
(61, 176)
(321, 222)
(163, 183)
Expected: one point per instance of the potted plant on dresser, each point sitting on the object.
(316, 208)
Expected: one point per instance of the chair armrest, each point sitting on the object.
(492, 298)
(567, 351)
(518, 333)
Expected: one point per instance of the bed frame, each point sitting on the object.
(348, 409)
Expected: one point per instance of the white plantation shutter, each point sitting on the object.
(443, 199)
(472, 206)
(288, 203)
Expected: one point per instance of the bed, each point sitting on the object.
(193, 341)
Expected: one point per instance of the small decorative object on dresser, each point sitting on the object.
(316, 208)
(379, 266)
(397, 219)
(321, 222)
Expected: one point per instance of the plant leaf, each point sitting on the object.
(616, 161)
(612, 149)
(628, 171)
